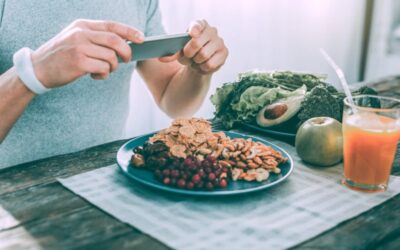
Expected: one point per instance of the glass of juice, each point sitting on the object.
(371, 131)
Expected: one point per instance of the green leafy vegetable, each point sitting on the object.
(240, 101)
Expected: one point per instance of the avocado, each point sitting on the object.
(279, 111)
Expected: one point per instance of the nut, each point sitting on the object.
(225, 154)
(250, 177)
(200, 157)
(236, 172)
(137, 160)
(252, 165)
(241, 164)
(230, 147)
(276, 170)
(257, 160)
(225, 164)
(205, 151)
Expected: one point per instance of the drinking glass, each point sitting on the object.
(371, 131)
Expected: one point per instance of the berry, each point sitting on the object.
(166, 172)
(211, 176)
(166, 180)
(181, 183)
(206, 164)
(188, 162)
(211, 159)
(223, 183)
(200, 185)
(201, 172)
(208, 170)
(197, 163)
(196, 178)
(225, 169)
(209, 186)
(175, 173)
(190, 185)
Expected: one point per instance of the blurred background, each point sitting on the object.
(363, 37)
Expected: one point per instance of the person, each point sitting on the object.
(88, 101)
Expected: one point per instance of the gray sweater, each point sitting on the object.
(86, 112)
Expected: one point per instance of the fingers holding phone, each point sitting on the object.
(84, 47)
(205, 52)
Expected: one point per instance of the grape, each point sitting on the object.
(209, 186)
(166, 172)
(196, 178)
(206, 164)
(223, 183)
(175, 173)
(166, 180)
(190, 185)
(184, 176)
(181, 183)
(191, 173)
(197, 163)
(211, 176)
(188, 162)
(201, 172)
(211, 159)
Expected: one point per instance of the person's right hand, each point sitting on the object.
(84, 47)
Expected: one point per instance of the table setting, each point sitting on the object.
(208, 196)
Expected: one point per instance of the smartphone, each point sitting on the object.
(158, 46)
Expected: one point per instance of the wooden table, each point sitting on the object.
(37, 212)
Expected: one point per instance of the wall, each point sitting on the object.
(272, 34)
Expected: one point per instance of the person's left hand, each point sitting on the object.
(205, 52)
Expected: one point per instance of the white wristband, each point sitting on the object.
(23, 65)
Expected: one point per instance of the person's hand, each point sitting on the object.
(205, 52)
(84, 47)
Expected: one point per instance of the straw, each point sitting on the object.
(342, 78)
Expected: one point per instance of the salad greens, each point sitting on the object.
(241, 100)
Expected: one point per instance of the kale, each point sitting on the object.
(327, 101)
(319, 102)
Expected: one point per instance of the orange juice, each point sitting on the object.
(370, 144)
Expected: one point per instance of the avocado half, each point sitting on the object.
(278, 112)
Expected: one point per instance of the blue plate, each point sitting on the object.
(269, 131)
(234, 187)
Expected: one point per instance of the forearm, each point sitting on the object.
(14, 98)
(185, 93)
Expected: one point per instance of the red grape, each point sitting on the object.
(175, 173)
(196, 178)
(166, 172)
(211, 159)
(181, 183)
(188, 162)
(211, 176)
(209, 186)
(223, 183)
(167, 181)
(190, 185)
